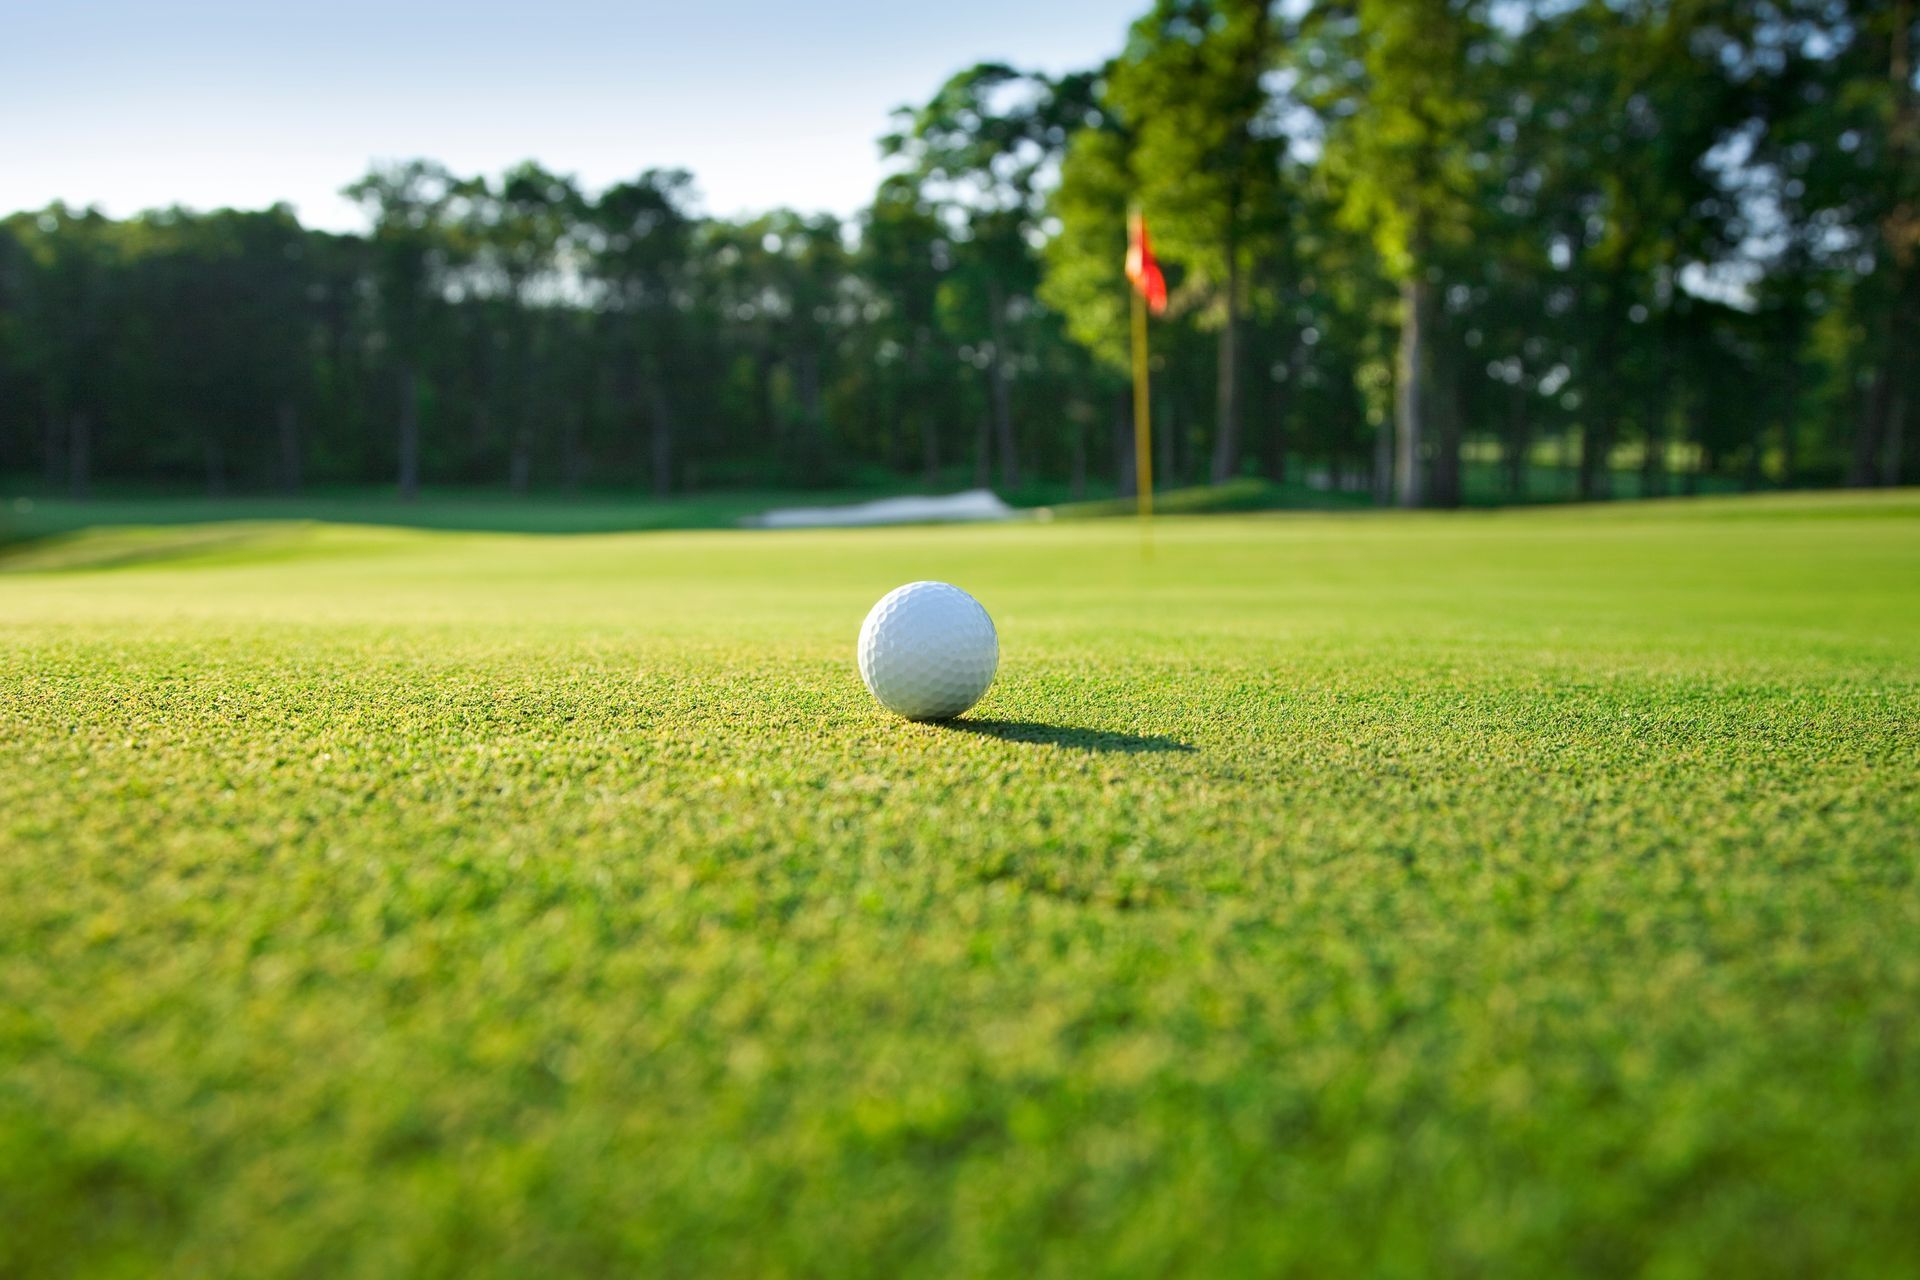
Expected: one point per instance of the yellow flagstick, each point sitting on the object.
(1142, 428)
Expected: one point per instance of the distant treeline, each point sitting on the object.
(1660, 238)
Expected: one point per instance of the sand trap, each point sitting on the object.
(970, 506)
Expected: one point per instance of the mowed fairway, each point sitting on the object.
(1513, 894)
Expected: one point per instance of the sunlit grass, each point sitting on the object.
(1528, 893)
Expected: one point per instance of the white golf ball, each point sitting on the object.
(928, 651)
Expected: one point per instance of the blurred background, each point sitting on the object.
(596, 265)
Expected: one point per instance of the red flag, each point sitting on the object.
(1142, 269)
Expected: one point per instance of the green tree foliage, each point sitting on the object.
(1085, 257)
(784, 283)
(906, 256)
(1400, 149)
(518, 234)
(61, 304)
(1843, 136)
(642, 247)
(979, 153)
(1439, 251)
(1207, 166)
(408, 206)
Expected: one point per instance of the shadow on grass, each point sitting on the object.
(1060, 735)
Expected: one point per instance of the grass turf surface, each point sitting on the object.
(1531, 893)
(480, 510)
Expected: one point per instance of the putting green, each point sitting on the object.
(1529, 893)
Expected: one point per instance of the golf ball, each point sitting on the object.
(928, 651)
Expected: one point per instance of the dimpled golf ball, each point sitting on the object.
(928, 651)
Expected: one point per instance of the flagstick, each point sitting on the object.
(1142, 430)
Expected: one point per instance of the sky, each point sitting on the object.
(133, 104)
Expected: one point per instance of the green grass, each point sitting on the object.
(1525, 894)
(1248, 493)
(31, 515)
(480, 510)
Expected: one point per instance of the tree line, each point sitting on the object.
(1414, 248)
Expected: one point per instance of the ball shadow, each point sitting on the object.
(1060, 735)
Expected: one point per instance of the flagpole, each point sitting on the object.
(1142, 429)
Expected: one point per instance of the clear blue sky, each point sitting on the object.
(136, 103)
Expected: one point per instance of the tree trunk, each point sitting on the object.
(1864, 467)
(409, 434)
(1166, 467)
(1590, 470)
(1790, 423)
(1902, 232)
(1383, 451)
(1003, 425)
(810, 445)
(1518, 430)
(80, 454)
(1690, 477)
(572, 464)
(982, 450)
(520, 463)
(1002, 391)
(1596, 433)
(1893, 461)
(53, 445)
(923, 411)
(1226, 439)
(763, 363)
(1901, 355)
(660, 441)
(1410, 391)
(1659, 424)
(530, 423)
(894, 416)
(807, 374)
(1277, 395)
(1652, 476)
(480, 435)
(1654, 461)
(287, 429)
(1279, 405)
(1444, 489)
(1077, 464)
(1750, 471)
(480, 424)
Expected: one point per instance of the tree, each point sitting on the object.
(1398, 148)
(1085, 279)
(1532, 231)
(518, 231)
(906, 256)
(979, 151)
(408, 205)
(1206, 164)
(1624, 115)
(67, 272)
(783, 280)
(642, 247)
(1882, 192)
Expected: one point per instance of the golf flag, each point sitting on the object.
(1142, 269)
(1149, 292)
